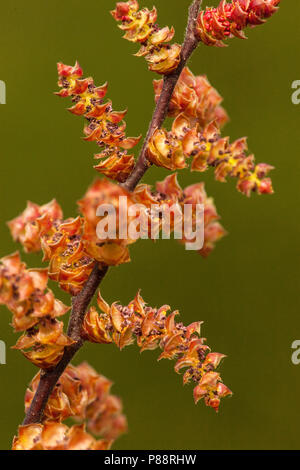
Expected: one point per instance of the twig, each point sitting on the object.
(49, 378)
(82, 300)
(161, 110)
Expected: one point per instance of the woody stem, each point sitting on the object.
(189, 45)
(50, 378)
(80, 302)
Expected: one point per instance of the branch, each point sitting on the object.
(49, 378)
(82, 300)
(161, 110)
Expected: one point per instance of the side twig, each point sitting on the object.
(81, 301)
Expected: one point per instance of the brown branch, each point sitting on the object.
(49, 378)
(161, 110)
(82, 300)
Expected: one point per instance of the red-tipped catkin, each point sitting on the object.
(105, 126)
(229, 19)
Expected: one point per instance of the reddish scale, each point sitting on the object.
(208, 19)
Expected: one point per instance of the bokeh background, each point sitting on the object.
(246, 292)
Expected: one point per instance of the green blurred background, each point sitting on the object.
(246, 292)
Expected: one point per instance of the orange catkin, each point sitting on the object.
(105, 126)
(229, 19)
(81, 394)
(156, 328)
(140, 26)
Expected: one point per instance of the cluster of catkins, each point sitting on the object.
(195, 138)
(83, 395)
(72, 247)
(153, 328)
